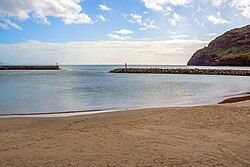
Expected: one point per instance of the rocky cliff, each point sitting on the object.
(230, 49)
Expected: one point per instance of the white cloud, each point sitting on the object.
(124, 32)
(168, 10)
(179, 36)
(136, 18)
(106, 52)
(6, 23)
(121, 35)
(147, 23)
(70, 11)
(118, 37)
(143, 28)
(101, 18)
(243, 6)
(217, 19)
(217, 2)
(164, 5)
(174, 19)
(144, 39)
(202, 25)
(104, 7)
(211, 34)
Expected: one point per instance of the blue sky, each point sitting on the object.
(62, 22)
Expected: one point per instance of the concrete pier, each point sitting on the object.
(30, 67)
(182, 71)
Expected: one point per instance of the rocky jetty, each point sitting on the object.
(182, 71)
(30, 67)
(230, 49)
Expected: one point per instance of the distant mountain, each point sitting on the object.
(230, 49)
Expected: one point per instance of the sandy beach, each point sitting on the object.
(215, 135)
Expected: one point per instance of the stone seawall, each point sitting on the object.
(182, 71)
(31, 67)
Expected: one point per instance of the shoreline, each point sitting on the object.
(228, 99)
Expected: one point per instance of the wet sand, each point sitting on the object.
(215, 135)
(235, 99)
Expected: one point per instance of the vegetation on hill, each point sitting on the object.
(230, 49)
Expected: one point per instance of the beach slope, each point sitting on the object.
(216, 135)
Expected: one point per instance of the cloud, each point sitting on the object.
(243, 6)
(143, 28)
(200, 24)
(6, 23)
(124, 32)
(104, 7)
(218, 2)
(147, 23)
(211, 34)
(174, 19)
(101, 18)
(136, 18)
(103, 52)
(164, 5)
(179, 36)
(121, 35)
(118, 37)
(69, 11)
(217, 19)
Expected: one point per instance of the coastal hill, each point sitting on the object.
(230, 49)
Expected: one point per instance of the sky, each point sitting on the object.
(113, 31)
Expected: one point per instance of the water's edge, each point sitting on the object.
(90, 112)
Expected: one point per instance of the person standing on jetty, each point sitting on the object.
(126, 65)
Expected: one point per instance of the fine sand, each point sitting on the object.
(216, 135)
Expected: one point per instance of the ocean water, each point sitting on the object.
(93, 88)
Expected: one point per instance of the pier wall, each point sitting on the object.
(30, 67)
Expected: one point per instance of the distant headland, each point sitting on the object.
(230, 49)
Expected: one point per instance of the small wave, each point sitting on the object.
(55, 114)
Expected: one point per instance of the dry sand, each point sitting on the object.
(216, 135)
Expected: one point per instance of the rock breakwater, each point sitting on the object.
(182, 71)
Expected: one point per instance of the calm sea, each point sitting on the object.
(92, 87)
